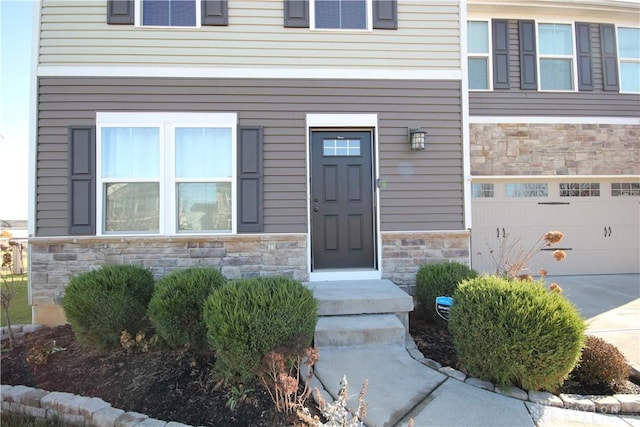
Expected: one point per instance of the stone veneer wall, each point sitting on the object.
(55, 260)
(404, 252)
(554, 149)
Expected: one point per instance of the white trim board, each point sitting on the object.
(554, 120)
(464, 104)
(345, 275)
(248, 73)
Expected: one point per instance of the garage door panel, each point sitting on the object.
(602, 234)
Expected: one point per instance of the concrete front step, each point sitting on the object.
(346, 297)
(358, 330)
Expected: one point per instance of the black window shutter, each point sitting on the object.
(528, 74)
(82, 180)
(385, 14)
(120, 12)
(583, 47)
(215, 12)
(609, 57)
(250, 192)
(296, 13)
(500, 54)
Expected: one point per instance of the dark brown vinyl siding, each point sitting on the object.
(517, 102)
(422, 190)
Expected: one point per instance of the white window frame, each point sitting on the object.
(526, 190)
(369, 17)
(625, 189)
(482, 190)
(626, 59)
(137, 8)
(488, 55)
(167, 123)
(572, 57)
(588, 188)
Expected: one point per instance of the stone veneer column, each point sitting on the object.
(404, 253)
(53, 261)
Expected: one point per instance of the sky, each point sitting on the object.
(16, 34)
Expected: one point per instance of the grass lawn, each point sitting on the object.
(19, 310)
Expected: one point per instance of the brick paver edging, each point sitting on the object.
(617, 404)
(72, 409)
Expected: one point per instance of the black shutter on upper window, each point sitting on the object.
(500, 39)
(82, 180)
(385, 14)
(250, 179)
(609, 58)
(528, 58)
(215, 12)
(120, 12)
(583, 48)
(296, 13)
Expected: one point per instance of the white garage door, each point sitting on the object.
(600, 220)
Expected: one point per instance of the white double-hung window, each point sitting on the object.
(478, 55)
(166, 173)
(556, 56)
(168, 13)
(341, 14)
(629, 57)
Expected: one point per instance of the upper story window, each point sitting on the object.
(169, 13)
(629, 55)
(341, 14)
(185, 183)
(478, 47)
(556, 52)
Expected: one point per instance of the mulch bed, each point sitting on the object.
(168, 385)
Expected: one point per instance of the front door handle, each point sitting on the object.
(316, 209)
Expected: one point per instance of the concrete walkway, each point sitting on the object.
(611, 305)
(401, 386)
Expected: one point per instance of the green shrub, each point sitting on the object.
(177, 304)
(247, 318)
(515, 332)
(441, 279)
(100, 304)
(601, 365)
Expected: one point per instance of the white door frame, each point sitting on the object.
(345, 122)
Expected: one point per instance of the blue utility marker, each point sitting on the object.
(443, 304)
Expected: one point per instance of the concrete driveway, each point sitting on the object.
(611, 305)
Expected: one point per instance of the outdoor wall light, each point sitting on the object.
(417, 139)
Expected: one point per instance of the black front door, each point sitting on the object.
(342, 200)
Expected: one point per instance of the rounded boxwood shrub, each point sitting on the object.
(601, 365)
(100, 304)
(440, 279)
(247, 318)
(177, 304)
(515, 332)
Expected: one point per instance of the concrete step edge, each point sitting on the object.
(345, 331)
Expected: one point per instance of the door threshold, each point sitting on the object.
(345, 274)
